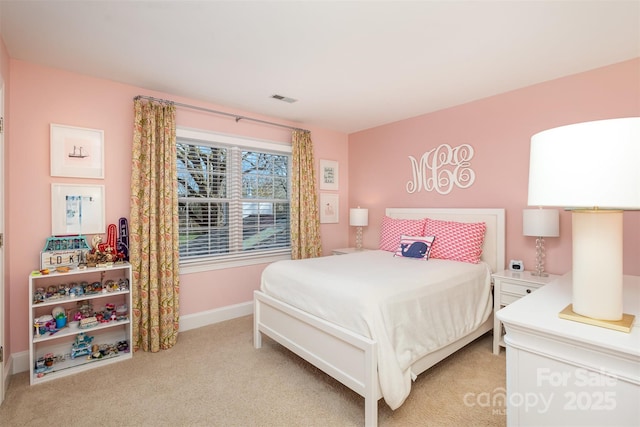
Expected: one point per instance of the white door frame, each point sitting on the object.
(4, 382)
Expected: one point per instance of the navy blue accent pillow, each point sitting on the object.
(418, 247)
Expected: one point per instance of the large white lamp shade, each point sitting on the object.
(591, 168)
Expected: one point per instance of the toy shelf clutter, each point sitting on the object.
(78, 319)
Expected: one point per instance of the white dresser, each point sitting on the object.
(565, 373)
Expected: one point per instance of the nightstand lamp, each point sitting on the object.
(540, 223)
(358, 217)
(592, 169)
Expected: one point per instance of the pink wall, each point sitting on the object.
(499, 129)
(40, 96)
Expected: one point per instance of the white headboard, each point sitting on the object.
(493, 249)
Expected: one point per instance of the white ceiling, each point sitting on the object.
(350, 65)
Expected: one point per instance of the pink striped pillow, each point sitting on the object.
(456, 241)
(393, 228)
(417, 247)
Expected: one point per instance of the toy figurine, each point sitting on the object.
(88, 322)
(123, 346)
(40, 366)
(81, 346)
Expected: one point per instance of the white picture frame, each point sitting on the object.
(329, 176)
(329, 208)
(76, 152)
(77, 209)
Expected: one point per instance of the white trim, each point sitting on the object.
(217, 315)
(20, 362)
(233, 140)
(210, 264)
(7, 374)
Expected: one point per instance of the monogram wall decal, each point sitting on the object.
(441, 169)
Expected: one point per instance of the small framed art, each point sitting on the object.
(77, 152)
(328, 175)
(77, 209)
(329, 208)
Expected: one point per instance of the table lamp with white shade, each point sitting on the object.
(540, 223)
(593, 169)
(358, 217)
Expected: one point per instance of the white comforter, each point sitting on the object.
(410, 307)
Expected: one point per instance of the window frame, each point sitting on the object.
(202, 264)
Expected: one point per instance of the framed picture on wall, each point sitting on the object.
(328, 208)
(76, 152)
(77, 209)
(328, 175)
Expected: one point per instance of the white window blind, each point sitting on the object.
(233, 197)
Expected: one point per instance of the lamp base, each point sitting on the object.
(623, 325)
(358, 238)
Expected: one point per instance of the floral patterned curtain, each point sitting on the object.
(305, 218)
(153, 227)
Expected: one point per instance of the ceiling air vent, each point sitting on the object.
(284, 98)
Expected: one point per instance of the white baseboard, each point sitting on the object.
(20, 362)
(187, 322)
(204, 318)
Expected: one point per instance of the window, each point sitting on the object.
(233, 198)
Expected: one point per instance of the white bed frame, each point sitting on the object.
(352, 358)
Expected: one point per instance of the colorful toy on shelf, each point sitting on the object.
(123, 239)
(43, 324)
(81, 346)
(123, 346)
(39, 296)
(102, 254)
(88, 322)
(63, 251)
(48, 359)
(39, 365)
(122, 312)
(61, 320)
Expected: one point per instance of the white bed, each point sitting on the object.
(342, 345)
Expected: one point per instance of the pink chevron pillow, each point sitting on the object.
(456, 241)
(392, 230)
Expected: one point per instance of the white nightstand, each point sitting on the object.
(344, 251)
(510, 286)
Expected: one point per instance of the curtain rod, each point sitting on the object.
(237, 117)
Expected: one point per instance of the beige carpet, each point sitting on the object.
(214, 377)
